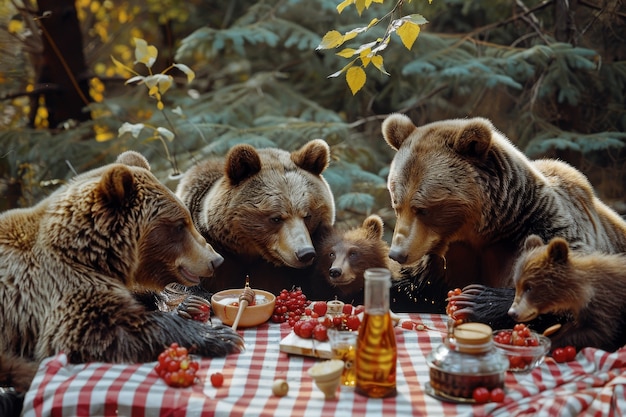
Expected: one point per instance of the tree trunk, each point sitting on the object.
(63, 71)
(564, 23)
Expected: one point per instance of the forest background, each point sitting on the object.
(550, 74)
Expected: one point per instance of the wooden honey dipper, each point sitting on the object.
(246, 298)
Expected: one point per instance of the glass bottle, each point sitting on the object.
(376, 353)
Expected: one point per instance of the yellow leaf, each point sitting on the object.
(377, 60)
(360, 6)
(366, 57)
(144, 53)
(372, 22)
(346, 53)
(343, 5)
(332, 39)
(188, 71)
(355, 77)
(408, 32)
(15, 26)
(121, 66)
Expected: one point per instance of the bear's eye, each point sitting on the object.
(353, 254)
(528, 288)
(276, 220)
(180, 227)
(332, 255)
(421, 211)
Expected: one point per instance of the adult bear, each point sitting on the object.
(71, 268)
(463, 192)
(265, 211)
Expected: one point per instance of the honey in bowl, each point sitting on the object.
(225, 305)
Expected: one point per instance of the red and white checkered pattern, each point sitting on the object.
(593, 385)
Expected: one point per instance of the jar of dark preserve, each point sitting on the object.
(466, 360)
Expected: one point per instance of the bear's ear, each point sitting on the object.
(133, 159)
(117, 186)
(532, 241)
(558, 250)
(313, 157)
(475, 139)
(374, 226)
(242, 162)
(396, 128)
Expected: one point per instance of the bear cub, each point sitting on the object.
(590, 287)
(345, 255)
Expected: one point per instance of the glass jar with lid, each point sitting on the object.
(466, 360)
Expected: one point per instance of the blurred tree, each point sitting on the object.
(62, 77)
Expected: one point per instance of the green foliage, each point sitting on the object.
(259, 79)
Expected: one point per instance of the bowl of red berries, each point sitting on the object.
(524, 348)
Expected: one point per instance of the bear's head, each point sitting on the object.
(272, 204)
(120, 221)
(344, 256)
(434, 183)
(544, 281)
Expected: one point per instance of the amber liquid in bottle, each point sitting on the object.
(376, 352)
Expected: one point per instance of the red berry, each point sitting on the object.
(353, 322)
(320, 332)
(217, 379)
(497, 395)
(408, 324)
(320, 308)
(347, 309)
(481, 395)
(306, 329)
(558, 355)
(570, 353)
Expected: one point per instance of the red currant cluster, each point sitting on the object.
(176, 367)
(483, 395)
(289, 306)
(452, 307)
(564, 354)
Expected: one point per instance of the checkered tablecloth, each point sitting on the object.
(593, 385)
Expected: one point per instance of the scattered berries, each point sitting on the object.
(217, 379)
(176, 367)
(452, 308)
(482, 395)
(312, 319)
(564, 354)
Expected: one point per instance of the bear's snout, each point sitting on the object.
(306, 254)
(216, 261)
(335, 272)
(398, 255)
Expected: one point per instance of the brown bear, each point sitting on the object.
(264, 211)
(463, 192)
(71, 265)
(344, 255)
(591, 287)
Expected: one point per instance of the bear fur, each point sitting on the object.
(591, 287)
(264, 210)
(344, 255)
(72, 265)
(464, 193)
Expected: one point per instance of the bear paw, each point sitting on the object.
(479, 303)
(195, 308)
